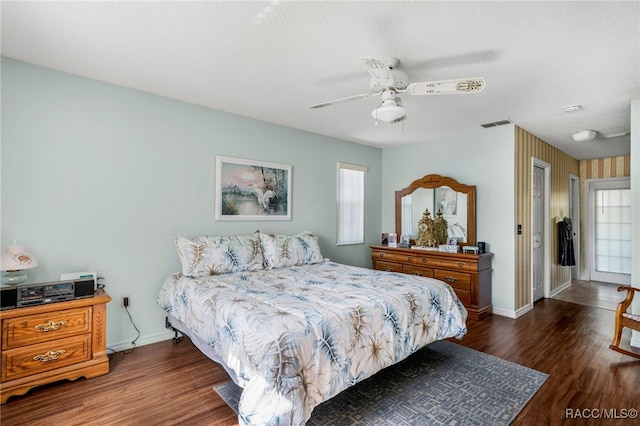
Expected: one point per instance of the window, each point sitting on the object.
(350, 204)
(613, 230)
(610, 231)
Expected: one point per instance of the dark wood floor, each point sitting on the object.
(167, 384)
(592, 293)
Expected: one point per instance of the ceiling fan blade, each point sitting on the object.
(447, 87)
(347, 99)
(379, 70)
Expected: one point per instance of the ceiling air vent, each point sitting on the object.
(496, 123)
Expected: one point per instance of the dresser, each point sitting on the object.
(468, 274)
(51, 342)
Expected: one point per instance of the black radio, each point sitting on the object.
(38, 294)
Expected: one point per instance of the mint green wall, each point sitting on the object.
(100, 177)
(485, 159)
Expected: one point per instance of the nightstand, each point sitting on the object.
(56, 341)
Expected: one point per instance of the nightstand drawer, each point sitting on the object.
(38, 328)
(417, 270)
(47, 356)
(457, 280)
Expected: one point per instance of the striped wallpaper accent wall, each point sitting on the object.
(527, 147)
(599, 168)
(606, 167)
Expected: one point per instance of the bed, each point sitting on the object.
(294, 329)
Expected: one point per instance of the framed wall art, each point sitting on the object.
(252, 190)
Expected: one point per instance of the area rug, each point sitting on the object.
(442, 384)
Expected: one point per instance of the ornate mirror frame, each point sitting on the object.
(435, 181)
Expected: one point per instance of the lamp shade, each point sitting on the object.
(16, 259)
(388, 112)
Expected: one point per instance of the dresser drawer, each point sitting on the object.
(403, 257)
(43, 327)
(462, 265)
(464, 296)
(28, 360)
(457, 280)
(388, 266)
(417, 270)
(392, 257)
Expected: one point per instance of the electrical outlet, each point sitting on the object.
(125, 301)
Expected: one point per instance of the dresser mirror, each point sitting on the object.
(456, 201)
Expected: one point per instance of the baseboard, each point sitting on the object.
(144, 340)
(509, 313)
(503, 312)
(526, 308)
(560, 289)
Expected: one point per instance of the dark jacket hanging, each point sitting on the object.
(565, 243)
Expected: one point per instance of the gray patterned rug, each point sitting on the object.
(442, 384)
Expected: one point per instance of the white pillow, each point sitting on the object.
(282, 251)
(205, 255)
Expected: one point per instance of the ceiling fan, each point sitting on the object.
(388, 81)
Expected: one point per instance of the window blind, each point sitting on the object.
(350, 203)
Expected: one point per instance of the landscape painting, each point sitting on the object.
(252, 190)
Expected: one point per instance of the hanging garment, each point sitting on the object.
(565, 243)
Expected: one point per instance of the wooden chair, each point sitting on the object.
(625, 319)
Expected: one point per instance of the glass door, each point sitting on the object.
(611, 231)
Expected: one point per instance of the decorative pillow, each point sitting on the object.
(281, 251)
(204, 255)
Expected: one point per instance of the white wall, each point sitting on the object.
(100, 177)
(485, 159)
(635, 209)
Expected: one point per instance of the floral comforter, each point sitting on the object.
(297, 336)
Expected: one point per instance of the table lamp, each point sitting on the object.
(15, 261)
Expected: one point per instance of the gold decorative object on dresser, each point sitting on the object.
(55, 341)
(468, 274)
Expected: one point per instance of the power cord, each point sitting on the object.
(133, 343)
(113, 354)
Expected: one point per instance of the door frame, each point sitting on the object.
(590, 249)
(575, 209)
(546, 233)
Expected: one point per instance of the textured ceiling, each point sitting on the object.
(271, 60)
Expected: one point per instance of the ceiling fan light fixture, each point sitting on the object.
(572, 108)
(584, 135)
(387, 81)
(389, 112)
